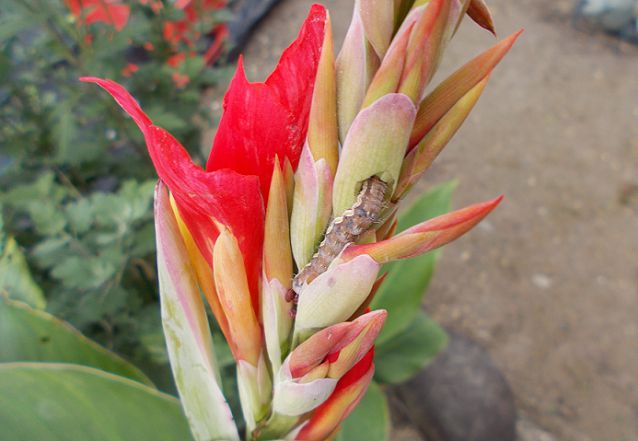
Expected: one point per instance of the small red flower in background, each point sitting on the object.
(156, 5)
(180, 80)
(111, 12)
(181, 31)
(176, 59)
(130, 69)
(219, 34)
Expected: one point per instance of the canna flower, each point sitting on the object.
(284, 233)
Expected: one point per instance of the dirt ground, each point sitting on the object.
(549, 283)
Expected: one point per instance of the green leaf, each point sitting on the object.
(84, 272)
(222, 351)
(63, 402)
(150, 334)
(170, 120)
(5, 66)
(402, 292)
(80, 215)
(64, 131)
(13, 24)
(48, 252)
(43, 190)
(370, 420)
(400, 358)
(15, 277)
(30, 335)
(47, 217)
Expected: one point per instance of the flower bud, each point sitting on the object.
(312, 206)
(335, 349)
(356, 64)
(255, 391)
(423, 237)
(294, 398)
(450, 91)
(422, 156)
(277, 270)
(335, 295)
(480, 13)
(375, 146)
(234, 296)
(347, 394)
(377, 17)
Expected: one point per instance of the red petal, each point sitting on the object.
(74, 6)
(357, 371)
(264, 120)
(203, 198)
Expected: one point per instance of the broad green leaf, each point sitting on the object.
(27, 334)
(187, 333)
(370, 420)
(400, 358)
(15, 278)
(64, 402)
(403, 290)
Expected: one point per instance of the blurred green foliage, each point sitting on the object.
(76, 183)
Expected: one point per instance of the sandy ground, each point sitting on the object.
(550, 282)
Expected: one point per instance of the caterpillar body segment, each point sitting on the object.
(344, 229)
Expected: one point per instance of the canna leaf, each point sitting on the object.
(370, 420)
(407, 281)
(407, 353)
(27, 334)
(15, 278)
(66, 402)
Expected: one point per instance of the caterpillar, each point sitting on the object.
(343, 230)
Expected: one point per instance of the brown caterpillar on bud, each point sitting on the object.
(345, 229)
